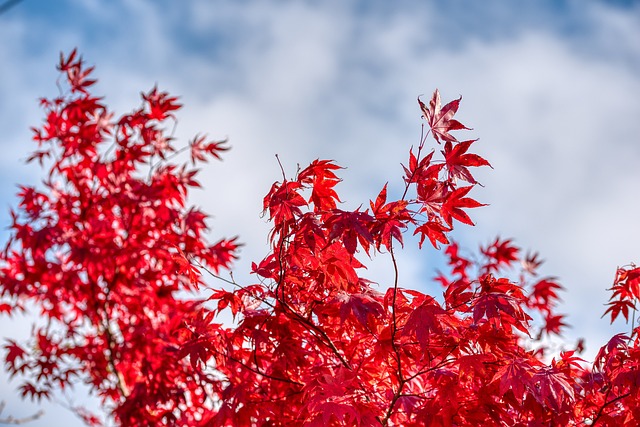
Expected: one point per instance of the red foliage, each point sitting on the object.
(107, 247)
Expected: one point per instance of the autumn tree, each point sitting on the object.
(107, 245)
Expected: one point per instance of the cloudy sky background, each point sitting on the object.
(551, 88)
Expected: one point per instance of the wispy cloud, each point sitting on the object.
(548, 89)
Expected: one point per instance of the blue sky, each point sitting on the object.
(550, 87)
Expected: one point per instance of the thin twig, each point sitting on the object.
(612, 401)
(122, 386)
(394, 331)
(16, 421)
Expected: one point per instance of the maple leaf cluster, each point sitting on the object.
(103, 249)
(108, 245)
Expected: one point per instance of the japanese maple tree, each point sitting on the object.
(109, 252)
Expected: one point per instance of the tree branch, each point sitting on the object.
(16, 421)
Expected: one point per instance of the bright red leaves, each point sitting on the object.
(440, 119)
(108, 243)
(626, 292)
(103, 249)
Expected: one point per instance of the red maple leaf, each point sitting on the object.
(350, 228)
(14, 352)
(458, 160)
(160, 104)
(431, 193)
(284, 201)
(201, 148)
(515, 375)
(434, 230)
(626, 293)
(319, 174)
(366, 309)
(425, 322)
(6, 308)
(391, 219)
(417, 172)
(500, 252)
(440, 119)
(185, 267)
(544, 293)
(553, 388)
(455, 201)
(553, 323)
(36, 394)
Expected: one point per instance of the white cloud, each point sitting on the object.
(555, 113)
